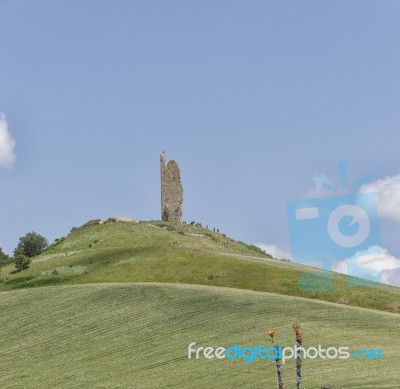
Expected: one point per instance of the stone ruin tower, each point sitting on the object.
(171, 190)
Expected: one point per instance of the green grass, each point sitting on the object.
(122, 301)
(179, 253)
(136, 336)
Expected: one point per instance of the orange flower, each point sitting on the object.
(271, 333)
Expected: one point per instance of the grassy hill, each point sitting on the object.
(118, 251)
(122, 301)
(136, 336)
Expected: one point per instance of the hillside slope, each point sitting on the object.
(119, 251)
(136, 336)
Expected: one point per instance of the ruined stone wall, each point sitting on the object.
(171, 190)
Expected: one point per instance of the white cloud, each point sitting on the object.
(7, 144)
(388, 196)
(273, 250)
(375, 263)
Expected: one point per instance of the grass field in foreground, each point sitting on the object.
(175, 252)
(136, 336)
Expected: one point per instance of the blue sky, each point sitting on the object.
(252, 98)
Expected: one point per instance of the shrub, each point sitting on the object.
(22, 262)
(93, 222)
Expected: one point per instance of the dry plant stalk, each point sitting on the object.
(299, 342)
(278, 363)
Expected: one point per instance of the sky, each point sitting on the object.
(255, 100)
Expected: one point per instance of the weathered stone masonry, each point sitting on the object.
(171, 190)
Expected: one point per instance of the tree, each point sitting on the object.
(3, 257)
(30, 245)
